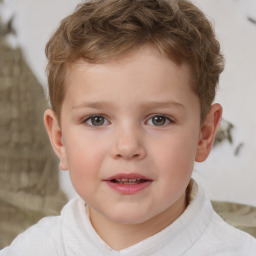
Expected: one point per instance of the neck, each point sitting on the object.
(120, 236)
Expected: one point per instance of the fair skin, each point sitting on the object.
(130, 132)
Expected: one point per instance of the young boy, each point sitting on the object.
(131, 86)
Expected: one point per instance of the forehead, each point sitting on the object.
(129, 81)
(145, 59)
(142, 80)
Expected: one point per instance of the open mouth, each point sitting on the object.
(126, 181)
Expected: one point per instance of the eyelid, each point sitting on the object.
(86, 119)
(169, 119)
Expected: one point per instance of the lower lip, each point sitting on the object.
(128, 189)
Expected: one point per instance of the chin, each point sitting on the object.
(129, 217)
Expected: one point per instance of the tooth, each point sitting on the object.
(127, 181)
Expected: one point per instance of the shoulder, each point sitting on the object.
(43, 238)
(40, 239)
(223, 239)
(216, 236)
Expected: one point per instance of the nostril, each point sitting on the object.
(126, 156)
(128, 148)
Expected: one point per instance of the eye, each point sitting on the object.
(159, 120)
(96, 120)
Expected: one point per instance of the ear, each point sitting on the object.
(55, 135)
(208, 131)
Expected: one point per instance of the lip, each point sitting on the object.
(128, 176)
(128, 189)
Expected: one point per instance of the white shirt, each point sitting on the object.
(199, 231)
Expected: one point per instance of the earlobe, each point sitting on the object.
(208, 131)
(55, 135)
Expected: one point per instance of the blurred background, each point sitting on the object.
(229, 174)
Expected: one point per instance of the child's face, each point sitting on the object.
(129, 135)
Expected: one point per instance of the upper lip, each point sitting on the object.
(128, 176)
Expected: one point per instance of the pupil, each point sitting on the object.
(97, 120)
(159, 120)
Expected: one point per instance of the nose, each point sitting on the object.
(128, 145)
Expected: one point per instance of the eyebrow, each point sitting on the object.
(146, 104)
(163, 104)
(93, 104)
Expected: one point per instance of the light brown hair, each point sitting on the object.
(99, 30)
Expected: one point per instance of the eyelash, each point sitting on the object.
(90, 118)
(167, 120)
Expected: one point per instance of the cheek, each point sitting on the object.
(82, 151)
(84, 173)
(174, 162)
(84, 162)
(175, 155)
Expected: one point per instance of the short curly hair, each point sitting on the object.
(99, 30)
